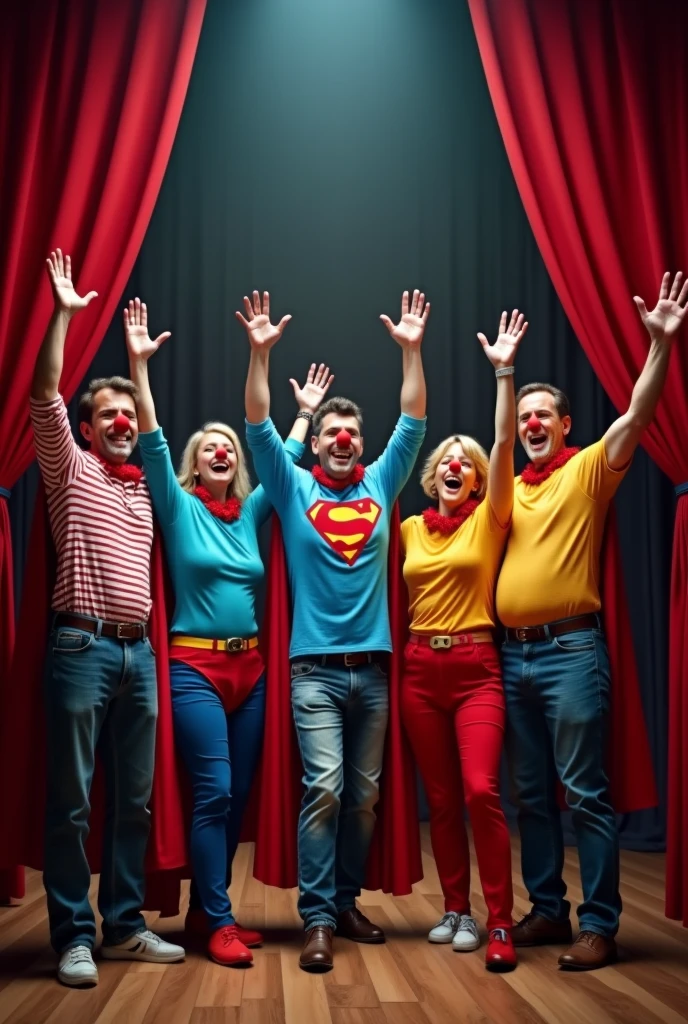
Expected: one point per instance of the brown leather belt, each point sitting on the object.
(117, 630)
(348, 660)
(531, 634)
(447, 641)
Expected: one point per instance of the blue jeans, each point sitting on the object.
(221, 754)
(341, 719)
(99, 693)
(557, 699)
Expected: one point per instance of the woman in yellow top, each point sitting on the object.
(452, 698)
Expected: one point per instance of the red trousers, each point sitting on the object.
(452, 707)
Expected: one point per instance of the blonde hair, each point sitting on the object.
(471, 448)
(240, 486)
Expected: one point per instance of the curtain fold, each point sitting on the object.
(91, 92)
(591, 101)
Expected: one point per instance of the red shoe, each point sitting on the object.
(196, 923)
(500, 955)
(248, 936)
(226, 948)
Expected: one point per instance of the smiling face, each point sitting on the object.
(542, 431)
(338, 461)
(456, 479)
(113, 445)
(216, 462)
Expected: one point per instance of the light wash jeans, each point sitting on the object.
(341, 720)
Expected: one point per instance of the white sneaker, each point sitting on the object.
(76, 967)
(146, 946)
(466, 937)
(445, 928)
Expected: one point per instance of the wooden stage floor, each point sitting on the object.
(406, 981)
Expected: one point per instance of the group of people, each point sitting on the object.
(488, 550)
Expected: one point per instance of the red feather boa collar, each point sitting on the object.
(437, 523)
(354, 477)
(120, 470)
(228, 511)
(538, 474)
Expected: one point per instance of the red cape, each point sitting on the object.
(22, 732)
(394, 863)
(629, 761)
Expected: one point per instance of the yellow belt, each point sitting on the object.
(232, 645)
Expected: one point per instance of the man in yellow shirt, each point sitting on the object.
(555, 661)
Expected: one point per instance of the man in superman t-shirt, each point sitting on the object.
(335, 523)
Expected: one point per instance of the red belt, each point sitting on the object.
(448, 640)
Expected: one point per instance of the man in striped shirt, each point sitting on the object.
(100, 682)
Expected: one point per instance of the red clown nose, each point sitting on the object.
(121, 423)
(455, 467)
(221, 454)
(534, 423)
(343, 439)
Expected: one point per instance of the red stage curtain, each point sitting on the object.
(91, 92)
(591, 100)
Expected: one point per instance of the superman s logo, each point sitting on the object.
(346, 526)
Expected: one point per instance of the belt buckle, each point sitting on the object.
(350, 660)
(234, 644)
(120, 634)
(522, 634)
(440, 642)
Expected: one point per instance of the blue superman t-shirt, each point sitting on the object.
(336, 541)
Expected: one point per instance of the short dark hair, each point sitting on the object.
(560, 399)
(99, 384)
(344, 406)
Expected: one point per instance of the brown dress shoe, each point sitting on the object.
(588, 952)
(316, 954)
(535, 930)
(351, 924)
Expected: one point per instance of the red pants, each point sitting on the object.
(452, 707)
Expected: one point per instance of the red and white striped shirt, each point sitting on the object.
(102, 527)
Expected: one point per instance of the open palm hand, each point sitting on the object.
(317, 385)
(503, 352)
(139, 343)
(59, 269)
(262, 334)
(666, 318)
(411, 327)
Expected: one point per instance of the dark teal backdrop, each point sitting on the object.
(337, 152)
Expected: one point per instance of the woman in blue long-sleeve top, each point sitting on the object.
(210, 518)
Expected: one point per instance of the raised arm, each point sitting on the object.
(140, 348)
(408, 333)
(308, 399)
(500, 483)
(48, 370)
(262, 335)
(662, 323)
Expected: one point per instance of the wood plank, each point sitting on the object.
(175, 997)
(221, 986)
(131, 999)
(305, 997)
